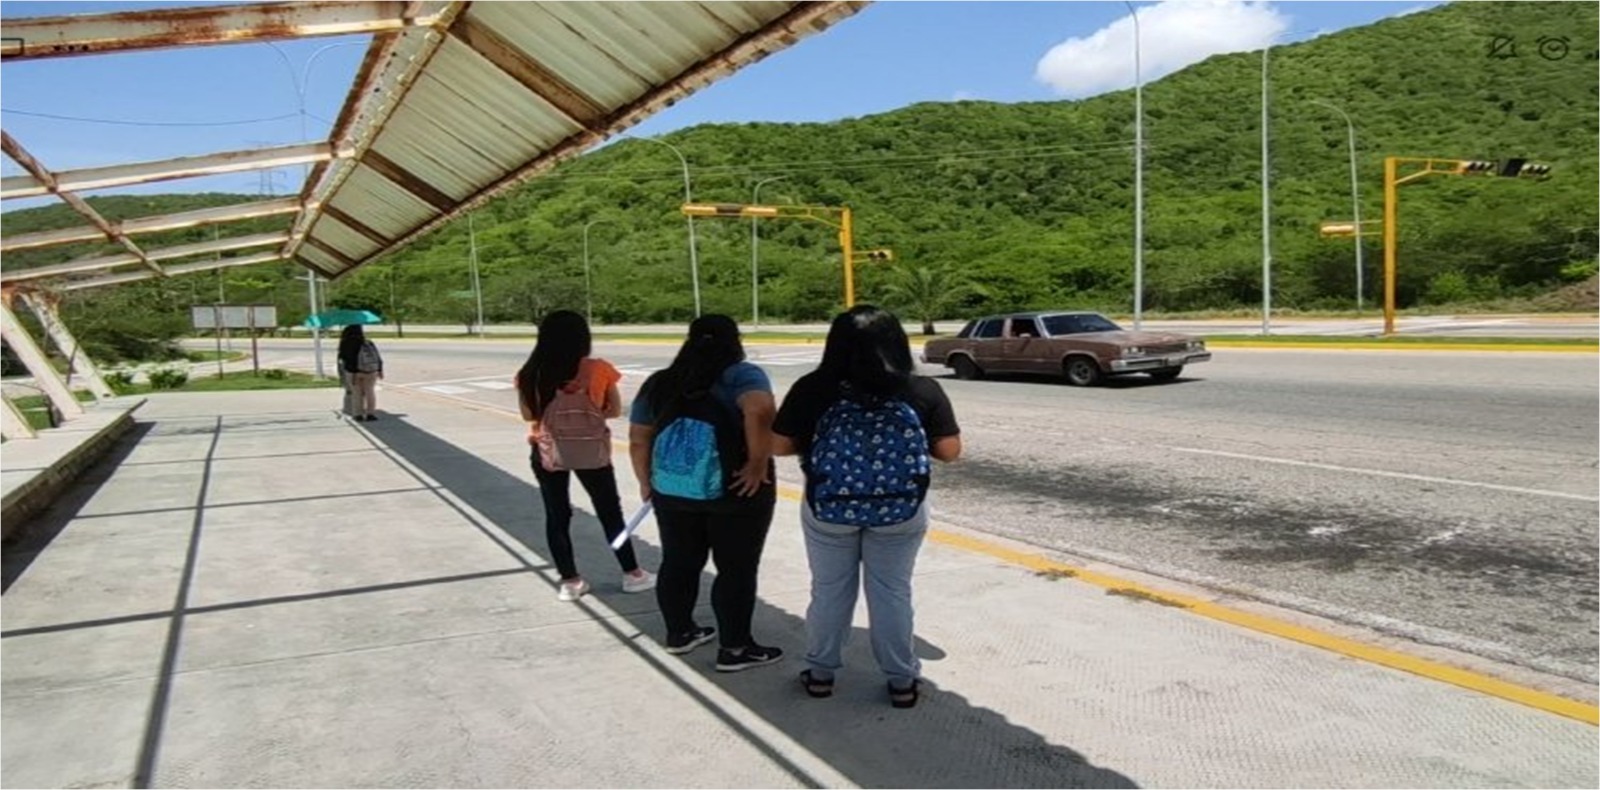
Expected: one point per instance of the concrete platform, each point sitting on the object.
(261, 594)
(35, 471)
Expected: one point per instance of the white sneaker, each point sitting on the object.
(572, 591)
(644, 581)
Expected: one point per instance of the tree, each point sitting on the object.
(927, 293)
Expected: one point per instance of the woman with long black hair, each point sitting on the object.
(361, 367)
(560, 371)
(700, 440)
(865, 428)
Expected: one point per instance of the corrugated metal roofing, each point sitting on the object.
(455, 102)
(513, 88)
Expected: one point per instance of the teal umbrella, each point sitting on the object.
(342, 318)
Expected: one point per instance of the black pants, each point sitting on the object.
(602, 487)
(735, 542)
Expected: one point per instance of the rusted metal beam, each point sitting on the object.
(802, 20)
(134, 227)
(43, 175)
(577, 106)
(167, 169)
(129, 31)
(378, 91)
(176, 269)
(405, 179)
(356, 225)
(328, 250)
(159, 253)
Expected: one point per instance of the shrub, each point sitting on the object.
(168, 378)
(276, 374)
(120, 381)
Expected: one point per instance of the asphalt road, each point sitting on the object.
(1448, 496)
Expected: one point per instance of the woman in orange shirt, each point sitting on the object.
(559, 366)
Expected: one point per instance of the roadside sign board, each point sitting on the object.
(235, 316)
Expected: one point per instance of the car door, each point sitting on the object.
(1024, 347)
(988, 344)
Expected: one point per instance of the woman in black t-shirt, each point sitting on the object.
(865, 377)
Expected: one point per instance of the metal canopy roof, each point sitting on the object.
(454, 103)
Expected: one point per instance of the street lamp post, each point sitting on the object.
(1355, 197)
(1266, 206)
(477, 286)
(1138, 175)
(694, 259)
(755, 279)
(299, 83)
(588, 289)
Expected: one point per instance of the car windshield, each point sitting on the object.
(1078, 324)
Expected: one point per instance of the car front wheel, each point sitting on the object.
(966, 368)
(1166, 374)
(1081, 372)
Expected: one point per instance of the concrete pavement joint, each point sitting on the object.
(800, 762)
(1484, 684)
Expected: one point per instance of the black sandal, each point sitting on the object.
(816, 687)
(906, 697)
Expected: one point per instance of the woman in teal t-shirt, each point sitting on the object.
(710, 379)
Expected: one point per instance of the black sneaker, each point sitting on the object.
(752, 656)
(678, 644)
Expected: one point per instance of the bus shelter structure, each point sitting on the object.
(453, 104)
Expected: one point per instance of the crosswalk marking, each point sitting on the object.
(493, 384)
(447, 389)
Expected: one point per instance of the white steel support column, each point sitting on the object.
(45, 309)
(37, 364)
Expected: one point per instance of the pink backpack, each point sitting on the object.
(572, 431)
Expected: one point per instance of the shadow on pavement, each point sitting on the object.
(944, 742)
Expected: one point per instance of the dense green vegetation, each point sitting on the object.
(1028, 205)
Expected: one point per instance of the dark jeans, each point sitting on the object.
(735, 542)
(602, 487)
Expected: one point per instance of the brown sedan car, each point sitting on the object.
(1083, 347)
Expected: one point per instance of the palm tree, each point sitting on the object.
(929, 293)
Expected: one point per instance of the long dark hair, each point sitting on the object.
(712, 346)
(563, 343)
(350, 340)
(867, 348)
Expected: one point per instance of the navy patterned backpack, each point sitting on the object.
(868, 464)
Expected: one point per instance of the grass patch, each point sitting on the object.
(242, 382)
(36, 408)
(213, 355)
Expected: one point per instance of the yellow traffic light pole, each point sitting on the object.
(823, 214)
(1391, 204)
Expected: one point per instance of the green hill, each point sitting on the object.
(1033, 201)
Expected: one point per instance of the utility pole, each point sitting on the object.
(1266, 205)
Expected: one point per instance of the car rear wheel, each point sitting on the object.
(1081, 371)
(966, 368)
(1166, 374)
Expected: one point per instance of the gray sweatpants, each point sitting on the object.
(838, 554)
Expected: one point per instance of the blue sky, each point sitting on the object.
(888, 56)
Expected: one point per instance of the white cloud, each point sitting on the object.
(1172, 34)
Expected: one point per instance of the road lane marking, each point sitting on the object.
(1383, 473)
(1283, 629)
(447, 389)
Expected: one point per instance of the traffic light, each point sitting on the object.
(1532, 170)
(880, 255)
(1477, 166)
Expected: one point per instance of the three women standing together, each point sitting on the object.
(702, 436)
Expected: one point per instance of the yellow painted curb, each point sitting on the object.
(1483, 684)
(1584, 349)
(1550, 703)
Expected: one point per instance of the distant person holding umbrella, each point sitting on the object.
(361, 363)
